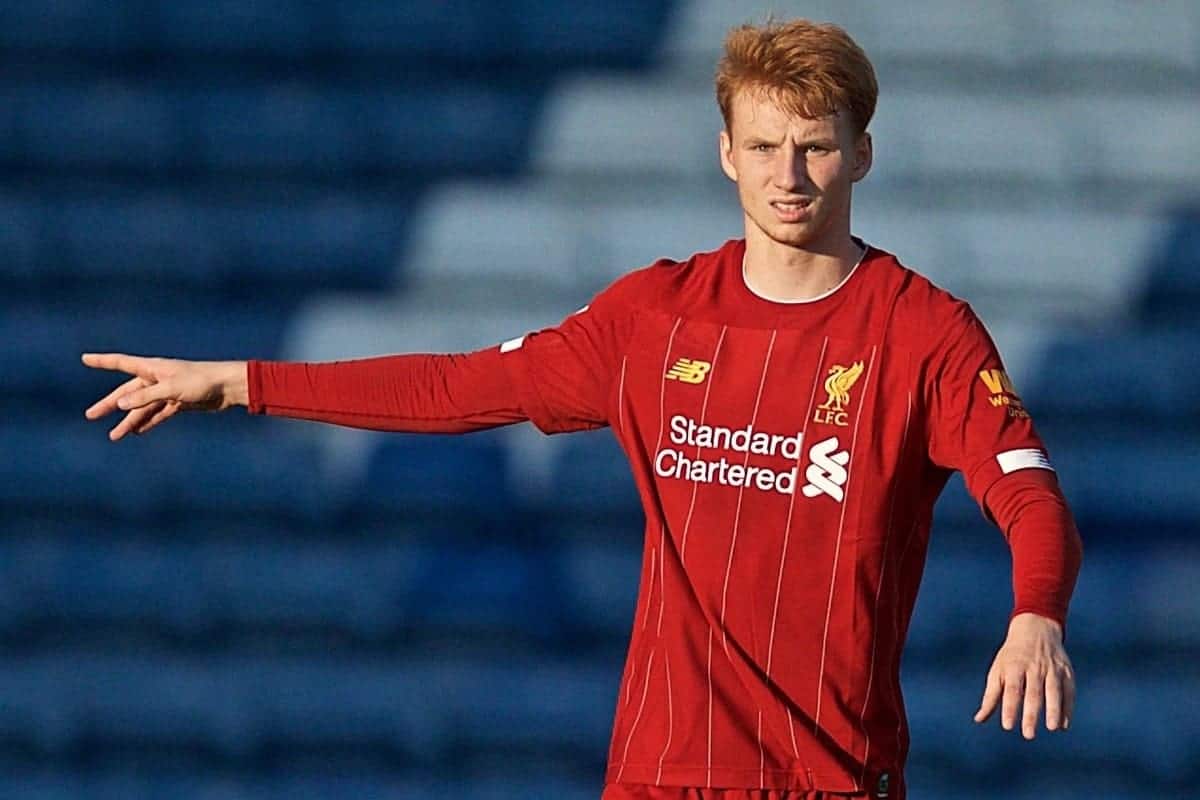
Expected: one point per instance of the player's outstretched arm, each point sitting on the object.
(1030, 671)
(162, 387)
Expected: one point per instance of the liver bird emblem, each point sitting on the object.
(839, 383)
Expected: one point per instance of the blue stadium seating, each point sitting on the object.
(71, 466)
(591, 32)
(1173, 291)
(152, 129)
(260, 608)
(1133, 374)
(43, 343)
(592, 479)
(458, 477)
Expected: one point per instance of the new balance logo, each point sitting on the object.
(689, 370)
(827, 472)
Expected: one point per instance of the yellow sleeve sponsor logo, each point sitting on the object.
(689, 370)
(1003, 393)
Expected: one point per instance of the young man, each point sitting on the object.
(791, 404)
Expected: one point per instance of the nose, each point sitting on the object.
(791, 169)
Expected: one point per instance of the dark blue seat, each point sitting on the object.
(1173, 289)
(444, 476)
(19, 241)
(591, 32)
(1142, 479)
(57, 464)
(231, 28)
(314, 242)
(474, 587)
(156, 243)
(89, 26)
(272, 128)
(100, 126)
(43, 343)
(1133, 374)
(468, 31)
(442, 126)
(592, 477)
(599, 583)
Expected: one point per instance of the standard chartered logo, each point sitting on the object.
(825, 475)
(827, 472)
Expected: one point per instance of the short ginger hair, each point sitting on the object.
(810, 69)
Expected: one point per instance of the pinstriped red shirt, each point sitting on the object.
(788, 456)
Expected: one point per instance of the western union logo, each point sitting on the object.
(1003, 393)
(689, 370)
(997, 381)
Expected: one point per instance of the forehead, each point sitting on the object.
(758, 112)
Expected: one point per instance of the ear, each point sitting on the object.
(725, 145)
(863, 157)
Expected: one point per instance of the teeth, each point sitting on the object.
(790, 206)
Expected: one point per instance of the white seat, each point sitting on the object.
(928, 28)
(940, 133)
(1165, 32)
(651, 129)
(1133, 137)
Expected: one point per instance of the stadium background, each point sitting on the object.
(263, 608)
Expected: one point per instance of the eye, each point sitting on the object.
(761, 148)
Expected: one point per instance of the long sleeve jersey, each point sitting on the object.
(787, 456)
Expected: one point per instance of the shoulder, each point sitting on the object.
(922, 308)
(666, 281)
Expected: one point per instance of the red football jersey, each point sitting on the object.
(788, 456)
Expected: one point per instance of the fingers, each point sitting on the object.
(1054, 695)
(163, 390)
(1034, 687)
(991, 696)
(109, 402)
(1068, 685)
(1014, 685)
(134, 365)
(165, 412)
(133, 421)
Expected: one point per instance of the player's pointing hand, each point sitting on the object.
(1030, 669)
(162, 387)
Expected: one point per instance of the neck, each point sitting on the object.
(785, 273)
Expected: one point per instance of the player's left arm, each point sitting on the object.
(980, 427)
(1032, 670)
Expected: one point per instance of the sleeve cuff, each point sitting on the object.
(254, 400)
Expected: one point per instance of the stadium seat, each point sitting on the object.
(73, 466)
(1172, 291)
(1107, 31)
(453, 477)
(105, 126)
(593, 480)
(599, 581)
(19, 235)
(139, 127)
(931, 29)
(1089, 375)
(232, 28)
(44, 342)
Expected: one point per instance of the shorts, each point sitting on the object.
(642, 791)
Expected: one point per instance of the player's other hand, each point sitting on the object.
(162, 387)
(1031, 669)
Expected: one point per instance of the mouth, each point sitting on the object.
(792, 210)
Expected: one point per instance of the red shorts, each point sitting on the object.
(642, 791)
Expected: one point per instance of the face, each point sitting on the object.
(794, 175)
